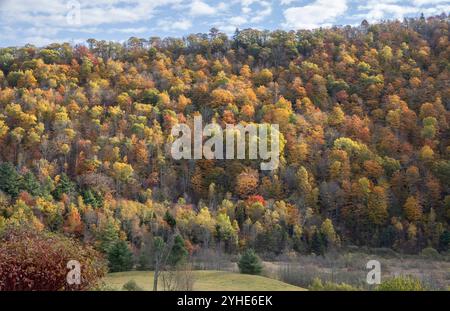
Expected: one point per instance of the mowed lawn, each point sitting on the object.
(207, 280)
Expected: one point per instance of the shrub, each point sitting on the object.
(430, 252)
(131, 285)
(102, 287)
(250, 263)
(401, 283)
(33, 260)
(317, 285)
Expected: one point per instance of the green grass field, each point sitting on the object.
(205, 280)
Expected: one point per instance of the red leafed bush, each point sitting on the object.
(32, 260)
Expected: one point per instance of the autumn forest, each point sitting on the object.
(364, 120)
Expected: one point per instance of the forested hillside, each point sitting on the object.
(363, 114)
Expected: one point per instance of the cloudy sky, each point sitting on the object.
(44, 21)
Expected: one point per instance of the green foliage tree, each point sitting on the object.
(92, 197)
(10, 180)
(31, 184)
(319, 243)
(64, 186)
(108, 235)
(444, 241)
(250, 263)
(170, 219)
(120, 257)
(178, 254)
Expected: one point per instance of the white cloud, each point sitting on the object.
(243, 14)
(379, 10)
(261, 13)
(43, 21)
(376, 10)
(222, 6)
(170, 25)
(314, 15)
(41, 41)
(237, 20)
(254, 11)
(94, 12)
(428, 2)
(131, 30)
(199, 8)
(286, 2)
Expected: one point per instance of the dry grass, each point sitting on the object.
(206, 280)
(350, 268)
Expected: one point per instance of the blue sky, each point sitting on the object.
(41, 22)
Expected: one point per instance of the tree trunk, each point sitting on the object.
(155, 279)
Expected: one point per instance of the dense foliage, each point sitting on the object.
(250, 263)
(401, 283)
(363, 114)
(318, 285)
(119, 257)
(31, 260)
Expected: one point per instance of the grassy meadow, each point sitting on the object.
(204, 280)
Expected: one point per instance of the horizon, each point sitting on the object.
(44, 22)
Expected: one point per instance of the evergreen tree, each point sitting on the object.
(170, 219)
(178, 253)
(92, 198)
(250, 263)
(120, 257)
(10, 180)
(108, 236)
(65, 185)
(444, 241)
(143, 262)
(318, 243)
(31, 184)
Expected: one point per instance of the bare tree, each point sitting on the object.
(161, 255)
(178, 278)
